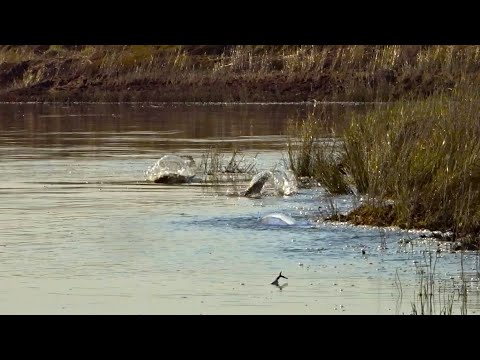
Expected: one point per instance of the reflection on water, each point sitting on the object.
(89, 128)
(83, 232)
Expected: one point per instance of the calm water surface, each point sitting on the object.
(83, 232)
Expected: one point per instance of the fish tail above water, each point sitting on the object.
(257, 183)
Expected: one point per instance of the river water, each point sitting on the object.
(82, 232)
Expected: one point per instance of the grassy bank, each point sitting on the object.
(232, 73)
(417, 162)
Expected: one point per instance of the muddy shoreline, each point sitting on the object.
(274, 89)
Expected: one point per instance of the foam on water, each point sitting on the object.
(278, 219)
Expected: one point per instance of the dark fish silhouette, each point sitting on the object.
(275, 282)
(256, 185)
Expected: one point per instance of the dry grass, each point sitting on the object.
(237, 73)
(425, 157)
(418, 161)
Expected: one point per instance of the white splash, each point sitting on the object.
(284, 182)
(171, 166)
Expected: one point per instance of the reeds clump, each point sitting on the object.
(417, 162)
(436, 296)
(302, 139)
(215, 161)
(423, 157)
(313, 152)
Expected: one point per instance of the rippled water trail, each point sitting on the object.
(83, 232)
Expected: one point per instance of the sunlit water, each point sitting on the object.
(83, 232)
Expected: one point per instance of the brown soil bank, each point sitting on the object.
(231, 73)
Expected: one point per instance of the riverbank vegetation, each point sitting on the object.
(416, 163)
(230, 73)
